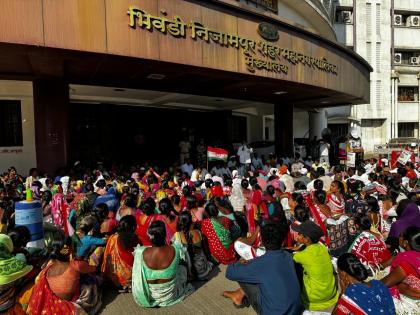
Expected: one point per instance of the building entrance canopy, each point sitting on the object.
(193, 47)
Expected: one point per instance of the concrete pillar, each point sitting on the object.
(418, 107)
(394, 104)
(392, 107)
(256, 128)
(396, 109)
(51, 109)
(283, 129)
(318, 121)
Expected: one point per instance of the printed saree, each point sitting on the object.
(219, 240)
(44, 301)
(116, 264)
(359, 299)
(370, 250)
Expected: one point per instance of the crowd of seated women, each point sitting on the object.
(331, 244)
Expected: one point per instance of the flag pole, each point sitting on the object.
(207, 158)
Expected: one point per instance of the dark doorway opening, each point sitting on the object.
(134, 134)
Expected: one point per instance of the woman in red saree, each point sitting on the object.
(118, 257)
(57, 287)
(318, 217)
(144, 220)
(369, 248)
(216, 230)
(258, 207)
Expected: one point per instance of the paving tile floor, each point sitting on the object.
(207, 299)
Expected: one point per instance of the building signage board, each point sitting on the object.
(271, 5)
(258, 55)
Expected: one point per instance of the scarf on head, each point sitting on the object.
(11, 268)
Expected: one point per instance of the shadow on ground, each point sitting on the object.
(207, 299)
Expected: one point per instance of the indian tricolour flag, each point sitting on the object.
(217, 154)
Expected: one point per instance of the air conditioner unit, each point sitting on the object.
(413, 21)
(415, 60)
(398, 20)
(346, 17)
(398, 58)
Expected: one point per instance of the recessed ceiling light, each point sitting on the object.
(280, 92)
(156, 76)
(119, 90)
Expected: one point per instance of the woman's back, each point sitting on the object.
(63, 278)
(160, 263)
(195, 237)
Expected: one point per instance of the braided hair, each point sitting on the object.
(184, 226)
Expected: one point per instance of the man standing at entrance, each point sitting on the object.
(184, 147)
(324, 148)
(244, 153)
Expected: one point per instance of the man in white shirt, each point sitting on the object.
(232, 162)
(297, 164)
(361, 175)
(226, 171)
(217, 170)
(325, 179)
(370, 167)
(324, 148)
(187, 167)
(236, 180)
(184, 148)
(244, 153)
(196, 175)
(313, 176)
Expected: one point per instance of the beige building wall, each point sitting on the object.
(24, 157)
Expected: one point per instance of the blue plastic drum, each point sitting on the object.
(29, 214)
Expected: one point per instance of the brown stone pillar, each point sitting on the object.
(283, 129)
(51, 111)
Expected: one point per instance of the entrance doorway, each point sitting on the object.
(127, 134)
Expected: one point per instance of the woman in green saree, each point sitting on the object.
(158, 277)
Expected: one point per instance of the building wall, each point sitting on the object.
(24, 157)
(312, 15)
(406, 73)
(388, 115)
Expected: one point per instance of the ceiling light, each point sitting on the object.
(280, 92)
(156, 76)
